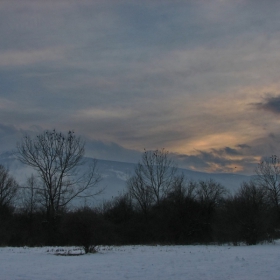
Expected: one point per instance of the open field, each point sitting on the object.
(143, 262)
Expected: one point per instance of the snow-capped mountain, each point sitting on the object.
(114, 175)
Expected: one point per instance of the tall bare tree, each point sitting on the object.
(268, 171)
(268, 177)
(56, 158)
(153, 178)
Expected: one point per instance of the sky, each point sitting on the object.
(199, 78)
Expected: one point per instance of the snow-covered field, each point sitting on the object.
(144, 262)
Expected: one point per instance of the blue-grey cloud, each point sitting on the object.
(243, 146)
(111, 151)
(223, 160)
(270, 104)
(144, 74)
(10, 136)
(242, 158)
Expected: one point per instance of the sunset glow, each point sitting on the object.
(199, 78)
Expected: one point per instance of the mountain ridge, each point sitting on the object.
(115, 173)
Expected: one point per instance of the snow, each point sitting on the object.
(143, 262)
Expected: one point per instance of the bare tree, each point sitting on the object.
(56, 158)
(179, 189)
(141, 193)
(153, 178)
(252, 218)
(209, 192)
(29, 196)
(8, 188)
(268, 177)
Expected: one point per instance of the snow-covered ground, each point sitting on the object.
(144, 262)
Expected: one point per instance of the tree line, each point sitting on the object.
(159, 205)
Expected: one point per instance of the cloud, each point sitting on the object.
(243, 146)
(10, 135)
(240, 158)
(270, 104)
(149, 75)
(26, 58)
(231, 160)
(111, 151)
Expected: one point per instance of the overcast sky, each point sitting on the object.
(199, 78)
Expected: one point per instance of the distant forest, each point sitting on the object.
(159, 206)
